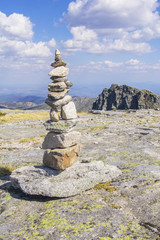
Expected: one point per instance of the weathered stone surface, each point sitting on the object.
(59, 79)
(58, 56)
(125, 97)
(57, 87)
(54, 140)
(60, 159)
(58, 95)
(69, 84)
(58, 64)
(130, 141)
(74, 180)
(60, 102)
(68, 111)
(59, 72)
(54, 116)
(60, 126)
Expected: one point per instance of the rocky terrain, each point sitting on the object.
(125, 209)
(126, 97)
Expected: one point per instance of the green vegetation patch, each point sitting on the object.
(6, 168)
(107, 186)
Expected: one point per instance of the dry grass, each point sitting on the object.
(15, 117)
(2, 114)
(6, 168)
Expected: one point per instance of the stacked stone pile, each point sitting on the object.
(60, 177)
(62, 144)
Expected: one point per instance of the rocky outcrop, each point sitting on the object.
(125, 97)
(74, 180)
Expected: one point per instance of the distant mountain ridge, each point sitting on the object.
(37, 103)
(125, 97)
(16, 98)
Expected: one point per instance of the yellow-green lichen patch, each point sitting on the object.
(107, 186)
(114, 205)
(129, 231)
(52, 217)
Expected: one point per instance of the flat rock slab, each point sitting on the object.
(40, 180)
(59, 72)
(64, 140)
(61, 126)
(60, 102)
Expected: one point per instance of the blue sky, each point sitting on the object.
(103, 42)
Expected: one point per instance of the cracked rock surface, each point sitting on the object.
(127, 208)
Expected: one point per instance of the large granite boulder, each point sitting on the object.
(125, 97)
(44, 181)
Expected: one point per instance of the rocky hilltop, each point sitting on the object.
(125, 97)
(127, 208)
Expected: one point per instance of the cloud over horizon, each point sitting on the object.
(131, 65)
(112, 26)
(16, 45)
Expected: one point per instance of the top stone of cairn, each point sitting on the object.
(58, 60)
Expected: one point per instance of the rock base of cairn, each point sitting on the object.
(44, 181)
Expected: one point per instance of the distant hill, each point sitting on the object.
(37, 103)
(126, 97)
(15, 99)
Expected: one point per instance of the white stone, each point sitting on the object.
(60, 102)
(64, 140)
(54, 116)
(58, 95)
(68, 111)
(58, 87)
(73, 180)
(57, 52)
(59, 72)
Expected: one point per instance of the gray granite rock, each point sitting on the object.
(59, 79)
(69, 84)
(68, 111)
(58, 64)
(125, 97)
(55, 140)
(54, 116)
(60, 102)
(57, 87)
(60, 126)
(58, 95)
(59, 72)
(39, 180)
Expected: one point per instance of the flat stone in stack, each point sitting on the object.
(63, 146)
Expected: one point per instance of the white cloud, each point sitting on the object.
(16, 45)
(114, 25)
(112, 14)
(15, 26)
(133, 65)
(87, 40)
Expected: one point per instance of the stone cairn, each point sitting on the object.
(62, 143)
(59, 177)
